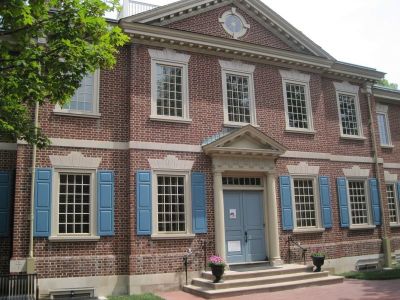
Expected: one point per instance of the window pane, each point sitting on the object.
(392, 203)
(169, 91)
(238, 98)
(83, 99)
(358, 203)
(383, 130)
(171, 203)
(348, 114)
(74, 217)
(304, 202)
(297, 106)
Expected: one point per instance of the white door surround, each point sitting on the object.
(246, 151)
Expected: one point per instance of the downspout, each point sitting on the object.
(30, 262)
(385, 239)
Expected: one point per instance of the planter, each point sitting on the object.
(217, 271)
(318, 262)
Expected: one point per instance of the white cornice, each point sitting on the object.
(169, 55)
(75, 160)
(195, 42)
(346, 87)
(295, 75)
(170, 162)
(236, 66)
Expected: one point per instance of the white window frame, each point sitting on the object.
(368, 203)
(383, 110)
(295, 77)
(170, 58)
(345, 88)
(240, 69)
(318, 220)
(55, 235)
(188, 205)
(396, 200)
(245, 25)
(59, 110)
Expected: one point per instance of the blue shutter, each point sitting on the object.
(143, 202)
(398, 192)
(286, 202)
(5, 203)
(325, 197)
(199, 213)
(343, 203)
(43, 189)
(105, 203)
(375, 200)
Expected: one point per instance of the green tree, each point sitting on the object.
(386, 83)
(46, 47)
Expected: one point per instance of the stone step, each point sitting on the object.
(273, 271)
(237, 291)
(244, 282)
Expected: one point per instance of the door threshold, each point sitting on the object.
(250, 263)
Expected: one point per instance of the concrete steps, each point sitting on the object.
(270, 280)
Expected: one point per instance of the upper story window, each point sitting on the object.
(349, 110)
(238, 93)
(85, 101)
(296, 92)
(169, 85)
(383, 125)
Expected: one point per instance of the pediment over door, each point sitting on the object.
(246, 141)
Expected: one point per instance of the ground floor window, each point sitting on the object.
(358, 202)
(74, 203)
(171, 204)
(392, 203)
(304, 200)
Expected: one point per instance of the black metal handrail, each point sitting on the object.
(19, 285)
(303, 250)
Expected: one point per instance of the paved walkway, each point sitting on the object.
(348, 290)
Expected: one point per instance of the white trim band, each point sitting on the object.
(8, 146)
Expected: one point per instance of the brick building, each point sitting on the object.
(220, 125)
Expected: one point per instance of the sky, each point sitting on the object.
(362, 32)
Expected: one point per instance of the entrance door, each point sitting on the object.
(244, 226)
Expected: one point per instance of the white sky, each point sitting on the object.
(363, 32)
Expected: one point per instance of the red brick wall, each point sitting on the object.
(109, 256)
(207, 23)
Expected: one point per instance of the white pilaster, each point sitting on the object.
(273, 231)
(219, 216)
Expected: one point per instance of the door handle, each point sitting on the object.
(245, 236)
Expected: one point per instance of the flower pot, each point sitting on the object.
(217, 271)
(318, 262)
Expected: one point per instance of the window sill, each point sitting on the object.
(308, 230)
(239, 125)
(387, 146)
(292, 130)
(74, 238)
(170, 120)
(362, 227)
(174, 236)
(395, 225)
(77, 114)
(353, 137)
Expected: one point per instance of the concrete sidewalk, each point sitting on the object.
(348, 290)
